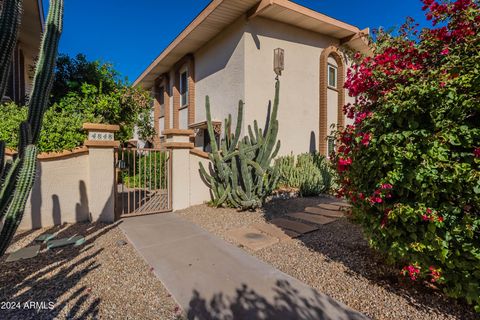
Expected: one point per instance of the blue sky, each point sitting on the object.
(131, 34)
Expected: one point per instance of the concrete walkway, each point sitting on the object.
(212, 279)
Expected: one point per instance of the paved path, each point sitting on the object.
(212, 279)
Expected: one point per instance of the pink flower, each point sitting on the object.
(429, 211)
(343, 164)
(386, 186)
(476, 152)
(425, 217)
(440, 219)
(412, 271)
(375, 199)
(366, 139)
(445, 52)
(442, 84)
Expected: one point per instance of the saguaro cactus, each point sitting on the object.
(17, 175)
(242, 174)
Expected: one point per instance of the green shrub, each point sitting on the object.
(410, 164)
(145, 169)
(62, 129)
(310, 173)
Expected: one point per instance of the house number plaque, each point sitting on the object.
(100, 136)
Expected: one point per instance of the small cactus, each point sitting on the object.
(242, 175)
(17, 175)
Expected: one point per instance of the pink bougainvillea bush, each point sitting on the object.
(410, 163)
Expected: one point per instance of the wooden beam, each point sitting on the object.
(259, 8)
(355, 36)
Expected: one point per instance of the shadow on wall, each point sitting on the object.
(82, 212)
(228, 42)
(287, 304)
(313, 143)
(61, 215)
(261, 27)
(36, 199)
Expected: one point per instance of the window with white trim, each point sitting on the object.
(184, 88)
(332, 76)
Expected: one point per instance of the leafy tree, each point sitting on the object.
(72, 73)
(84, 91)
(410, 164)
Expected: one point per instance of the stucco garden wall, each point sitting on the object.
(60, 193)
(199, 192)
(71, 187)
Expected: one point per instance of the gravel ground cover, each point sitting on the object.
(337, 261)
(102, 279)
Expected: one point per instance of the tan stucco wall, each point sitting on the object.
(199, 192)
(219, 73)
(238, 64)
(299, 96)
(101, 191)
(183, 118)
(59, 194)
(76, 188)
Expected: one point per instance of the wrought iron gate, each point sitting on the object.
(143, 181)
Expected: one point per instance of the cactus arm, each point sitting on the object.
(2, 158)
(17, 180)
(238, 128)
(10, 19)
(7, 186)
(243, 173)
(44, 71)
(15, 210)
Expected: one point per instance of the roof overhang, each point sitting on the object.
(221, 13)
(31, 27)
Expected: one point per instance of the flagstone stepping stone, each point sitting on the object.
(318, 219)
(24, 253)
(342, 204)
(324, 212)
(75, 240)
(294, 226)
(273, 230)
(329, 206)
(252, 238)
(45, 237)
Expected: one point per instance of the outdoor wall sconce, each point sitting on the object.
(278, 61)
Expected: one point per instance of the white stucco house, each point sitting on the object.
(25, 52)
(227, 53)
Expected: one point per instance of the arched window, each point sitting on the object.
(332, 77)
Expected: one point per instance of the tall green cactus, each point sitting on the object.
(17, 175)
(241, 174)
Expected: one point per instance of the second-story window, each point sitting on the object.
(332, 76)
(184, 88)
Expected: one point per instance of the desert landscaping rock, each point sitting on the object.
(337, 261)
(24, 253)
(252, 238)
(98, 280)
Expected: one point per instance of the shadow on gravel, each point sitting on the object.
(342, 241)
(45, 278)
(287, 305)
